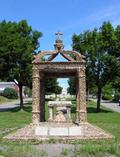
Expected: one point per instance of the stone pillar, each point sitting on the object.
(81, 116)
(35, 96)
(42, 97)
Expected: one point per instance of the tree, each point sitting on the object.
(52, 86)
(18, 43)
(99, 47)
(72, 86)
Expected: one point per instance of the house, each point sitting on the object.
(4, 85)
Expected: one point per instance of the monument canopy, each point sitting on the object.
(70, 55)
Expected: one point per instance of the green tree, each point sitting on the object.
(99, 47)
(72, 86)
(52, 86)
(10, 93)
(18, 43)
(107, 92)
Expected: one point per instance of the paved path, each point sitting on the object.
(13, 104)
(111, 105)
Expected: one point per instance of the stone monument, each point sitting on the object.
(41, 130)
(63, 111)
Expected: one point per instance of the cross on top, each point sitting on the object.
(58, 34)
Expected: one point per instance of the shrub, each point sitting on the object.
(28, 92)
(116, 96)
(107, 97)
(10, 93)
(107, 92)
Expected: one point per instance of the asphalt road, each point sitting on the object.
(6, 106)
(13, 104)
(111, 105)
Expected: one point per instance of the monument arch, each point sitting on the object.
(75, 67)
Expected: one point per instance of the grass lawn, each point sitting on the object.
(106, 119)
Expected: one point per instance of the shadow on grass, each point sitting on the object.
(91, 110)
(49, 99)
(17, 109)
(27, 108)
(73, 109)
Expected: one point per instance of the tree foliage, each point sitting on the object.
(18, 43)
(102, 50)
(72, 86)
(10, 93)
(52, 86)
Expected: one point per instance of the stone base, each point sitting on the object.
(59, 131)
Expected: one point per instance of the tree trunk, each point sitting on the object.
(20, 94)
(99, 94)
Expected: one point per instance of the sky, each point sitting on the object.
(67, 16)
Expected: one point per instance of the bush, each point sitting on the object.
(107, 97)
(107, 92)
(27, 92)
(10, 93)
(116, 96)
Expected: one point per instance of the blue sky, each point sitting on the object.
(67, 16)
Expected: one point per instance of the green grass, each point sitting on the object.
(106, 119)
(14, 118)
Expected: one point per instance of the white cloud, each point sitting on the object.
(111, 12)
(107, 13)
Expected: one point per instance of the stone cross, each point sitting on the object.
(58, 34)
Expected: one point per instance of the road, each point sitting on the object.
(13, 104)
(6, 106)
(111, 105)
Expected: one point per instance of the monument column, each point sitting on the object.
(81, 116)
(42, 97)
(36, 96)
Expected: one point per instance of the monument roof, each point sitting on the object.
(70, 55)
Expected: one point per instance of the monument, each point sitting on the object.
(64, 129)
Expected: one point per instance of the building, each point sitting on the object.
(4, 85)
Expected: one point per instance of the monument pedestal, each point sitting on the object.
(61, 131)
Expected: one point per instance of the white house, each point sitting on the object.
(4, 85)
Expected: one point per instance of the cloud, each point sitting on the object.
(111, 13)
(107, 13)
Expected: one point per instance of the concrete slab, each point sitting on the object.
(75, 131)
(58, 131)
(41, 131)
